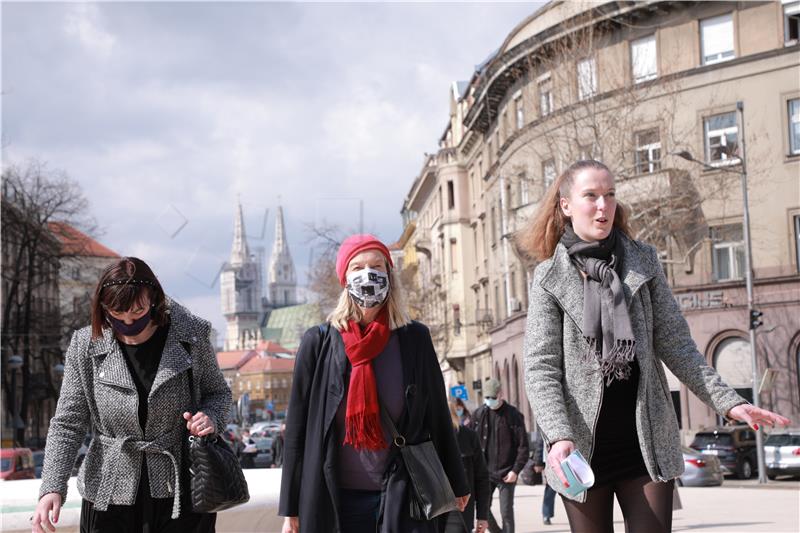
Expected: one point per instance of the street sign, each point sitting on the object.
(459, 391)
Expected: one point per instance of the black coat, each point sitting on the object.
(512, 440)
(477, 475)
(309, 486)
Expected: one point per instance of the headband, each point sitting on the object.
(127, 281)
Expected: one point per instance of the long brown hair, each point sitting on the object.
(541, 235)
(123, 284)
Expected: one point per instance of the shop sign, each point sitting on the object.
(700, 300)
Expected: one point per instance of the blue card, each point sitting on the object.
(578, 473)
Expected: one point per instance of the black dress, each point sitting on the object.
(617, 454)
(148, 514)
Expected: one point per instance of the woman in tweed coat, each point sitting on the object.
(127, 377)
(601, 321)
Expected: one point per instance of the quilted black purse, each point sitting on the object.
(431, 494)
(217, 481)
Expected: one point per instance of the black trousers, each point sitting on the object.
(506, 491)
(147, 515)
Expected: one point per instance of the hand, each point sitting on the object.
(461, 502)
(538, 469)
(511, 477)
(291, 524)
(199, 425)
(40, 521)
(481, 526)
(558, 452)
(754, 416)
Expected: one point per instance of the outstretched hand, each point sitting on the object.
(753, 416)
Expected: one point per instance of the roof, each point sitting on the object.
(268, 346)
(286, 325)
(234, 359)
(264, 363)
(75, 242)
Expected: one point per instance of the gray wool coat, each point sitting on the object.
(565, 389)
(98, 390)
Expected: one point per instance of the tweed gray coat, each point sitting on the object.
(98, 389)
(565, 389)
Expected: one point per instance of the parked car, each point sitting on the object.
(38, 461)
(16, 463)
(264, 457)
(734, 446)
(702, 470)
(782, 453)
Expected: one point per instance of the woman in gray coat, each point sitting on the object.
(601, 321)
(127, 377)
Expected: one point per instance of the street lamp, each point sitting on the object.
(753, 314)
(14, 363)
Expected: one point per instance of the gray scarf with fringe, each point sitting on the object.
(606, 324)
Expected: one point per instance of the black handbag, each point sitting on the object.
(529, 475)
(217, 481)
(431, 494)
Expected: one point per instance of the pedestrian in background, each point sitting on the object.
(464, 416)
(477, 478)
(127, 375)
(549, 498)
(601, 321)
(277, 447)
(342, 472)
(504, 443)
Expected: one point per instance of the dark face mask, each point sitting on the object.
(130, 330)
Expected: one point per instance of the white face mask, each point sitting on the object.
(368, 287)
(492, 403)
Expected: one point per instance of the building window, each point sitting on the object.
(523, 189)
(797, 240)
(519, 112)
(494, 226)
(728, 252)
(451, 196)
(791, 22)
(587, 78)
(794, 126)
(648, 152)
(548, 172)
(489, 152)
(545, 95)
(644, 62)
(453, 256)
(721, 137)
(716, 35)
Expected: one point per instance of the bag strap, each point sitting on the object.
(190, 375)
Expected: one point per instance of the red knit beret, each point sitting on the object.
(354, 245)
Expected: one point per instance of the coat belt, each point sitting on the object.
(111, 472)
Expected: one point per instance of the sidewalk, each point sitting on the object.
(772, 508)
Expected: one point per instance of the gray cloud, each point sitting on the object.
(157, 107)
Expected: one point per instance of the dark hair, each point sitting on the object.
(540, 237)
(123, 284)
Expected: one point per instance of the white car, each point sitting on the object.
(782, 453)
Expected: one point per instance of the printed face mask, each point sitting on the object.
(368, 287)
(130, 330)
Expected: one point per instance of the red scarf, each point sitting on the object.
(362, 423)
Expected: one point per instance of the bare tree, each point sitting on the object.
(33, 197)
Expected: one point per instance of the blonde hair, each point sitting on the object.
(346, 309)
(540, 237)
(453, 403)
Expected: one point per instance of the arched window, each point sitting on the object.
(733, 362)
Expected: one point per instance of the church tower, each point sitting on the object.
(240, 283)
(282, 281)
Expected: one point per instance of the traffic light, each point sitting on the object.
(755, 318)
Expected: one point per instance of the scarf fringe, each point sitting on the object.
(364, 431)
(617, 365)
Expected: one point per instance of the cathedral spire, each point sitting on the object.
(282, 278)
(240, 252)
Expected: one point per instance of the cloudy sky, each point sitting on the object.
(165, 113)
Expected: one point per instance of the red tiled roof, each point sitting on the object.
(234, 359)
(271, 347)
(268, 364)
(76, 242)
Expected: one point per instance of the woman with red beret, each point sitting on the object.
(341, 472)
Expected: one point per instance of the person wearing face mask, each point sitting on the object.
(464, 416)
(504, 443)
(341, 470)
(602, 323)
(127, 376)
